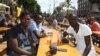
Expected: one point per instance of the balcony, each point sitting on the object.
(95, 1)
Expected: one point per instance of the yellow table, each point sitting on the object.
(3, 47)
(3, 29)
(44, 46)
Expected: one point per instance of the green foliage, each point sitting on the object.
(57, 10)
(30, 5)
(0, 1)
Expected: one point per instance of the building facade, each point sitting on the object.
(86, 7)
(83, 7)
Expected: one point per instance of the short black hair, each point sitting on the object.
(24, 14)
(36, 16)
(70, 15)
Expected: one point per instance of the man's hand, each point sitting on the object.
(64, 34)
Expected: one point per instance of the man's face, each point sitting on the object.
(72, 21)
(38, 20)
(25, 20)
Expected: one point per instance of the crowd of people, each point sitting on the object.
(23, 38)
(91, 22)
(24, 35)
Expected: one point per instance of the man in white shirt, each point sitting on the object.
(55, 23)
(82, 34)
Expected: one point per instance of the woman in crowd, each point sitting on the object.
(94, 25)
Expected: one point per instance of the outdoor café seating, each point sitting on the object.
(53, 42)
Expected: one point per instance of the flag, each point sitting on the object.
(18, 11)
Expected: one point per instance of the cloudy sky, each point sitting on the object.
(49, 4)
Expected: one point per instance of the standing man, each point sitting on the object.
(20, 41)
(55, 23)
(82, 34)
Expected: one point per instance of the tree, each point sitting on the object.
(63, 8)
(30, 5)
(0, 1)
(59, 9)
(68, 2)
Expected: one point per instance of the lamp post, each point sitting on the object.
(54, 9)
(49, 8)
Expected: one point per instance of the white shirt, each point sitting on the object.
(55, 22)
(83, 31)
(40, 27)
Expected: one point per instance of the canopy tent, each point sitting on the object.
(4, 5)
(3, 8)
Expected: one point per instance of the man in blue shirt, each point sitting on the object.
(37, 30)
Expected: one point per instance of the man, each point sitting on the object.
(37, 30)
(2, 21)
(55, 23)
(82, 34)
(20, 41)
(35, 26)
(40, 28)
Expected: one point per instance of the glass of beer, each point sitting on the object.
(49, 34)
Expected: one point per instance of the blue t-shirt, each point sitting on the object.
(34, 27)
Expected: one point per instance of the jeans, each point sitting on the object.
(28, 48)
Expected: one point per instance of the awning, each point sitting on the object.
(4, 5)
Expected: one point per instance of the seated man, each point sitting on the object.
(82, 34)
(20, 41)
(2, 21)
(39, 25)
(37, 30)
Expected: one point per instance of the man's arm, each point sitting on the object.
(31, 41)
(88, 45)
(17, 49)
(43, 33)
(65, 34)
(37, 34)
